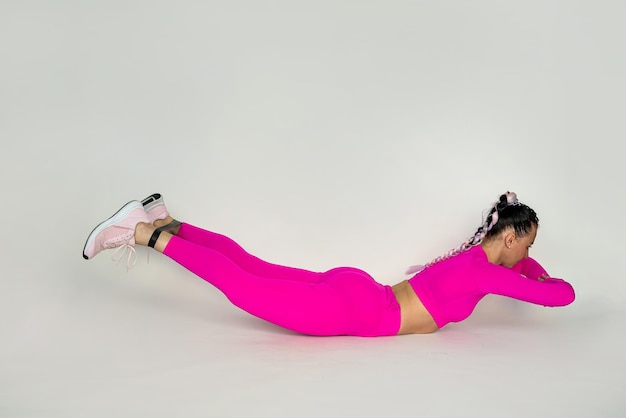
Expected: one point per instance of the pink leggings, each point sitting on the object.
(341, 301)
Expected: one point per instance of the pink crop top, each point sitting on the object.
(451, 289)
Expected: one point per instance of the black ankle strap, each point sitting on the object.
(157, 232)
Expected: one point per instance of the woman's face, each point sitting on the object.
(517, 247)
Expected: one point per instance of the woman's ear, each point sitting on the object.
(509, 239)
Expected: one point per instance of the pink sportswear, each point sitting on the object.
(348, 301)
(340, 301)
(451, 289)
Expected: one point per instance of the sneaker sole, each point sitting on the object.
(117, 216)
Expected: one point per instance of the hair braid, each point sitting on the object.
(505, 200)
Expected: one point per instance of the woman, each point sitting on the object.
(346, 300)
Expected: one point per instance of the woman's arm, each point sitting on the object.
(530, 268)
(508, 282)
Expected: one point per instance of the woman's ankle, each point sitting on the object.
(143, 232)
(162, 222)
(159, 223)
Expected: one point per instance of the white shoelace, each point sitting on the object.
(130, 252)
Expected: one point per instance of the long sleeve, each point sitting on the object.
(508, 282)
(451, 289)
(530, 268)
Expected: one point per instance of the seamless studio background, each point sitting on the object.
(316, 134)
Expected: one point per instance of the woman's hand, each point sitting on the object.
(543, 277)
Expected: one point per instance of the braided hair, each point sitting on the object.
(506, 212)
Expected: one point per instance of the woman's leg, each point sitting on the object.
(237, 254)
(345, 301)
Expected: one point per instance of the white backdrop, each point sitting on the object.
(365, 133)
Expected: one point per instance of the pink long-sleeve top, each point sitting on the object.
(451, 289)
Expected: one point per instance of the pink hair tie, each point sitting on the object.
(511, 199)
